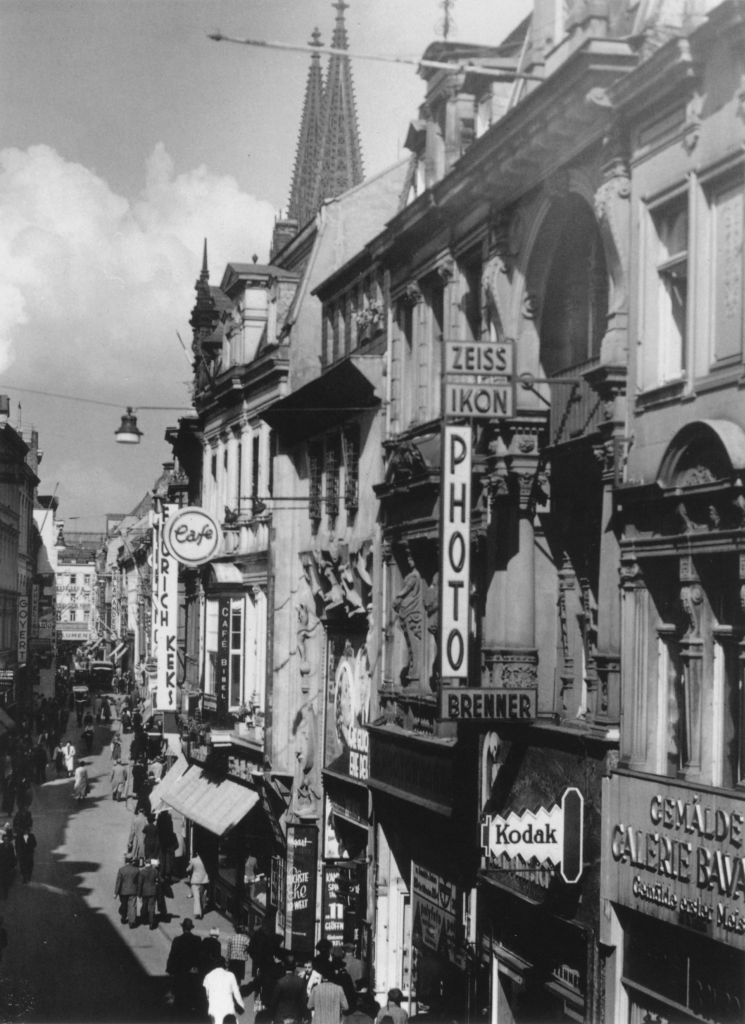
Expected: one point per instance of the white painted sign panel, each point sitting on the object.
(455, 552)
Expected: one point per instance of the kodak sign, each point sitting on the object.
(545, 835)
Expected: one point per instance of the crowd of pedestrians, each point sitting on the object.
(209, 980)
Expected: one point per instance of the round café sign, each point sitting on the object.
(192, 536)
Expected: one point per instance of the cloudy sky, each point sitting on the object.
(128, 137)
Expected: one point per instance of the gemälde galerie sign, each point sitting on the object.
(677, 854)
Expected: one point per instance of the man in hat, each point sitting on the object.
(125, 888)
(289, 1000)
(147, 890)
(183, 966)
(322, 961)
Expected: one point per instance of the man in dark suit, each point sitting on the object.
(125, 887)
(25, 846)
(183, 966)
(147, 889)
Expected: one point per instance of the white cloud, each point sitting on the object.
(92, 281)
(93, 288)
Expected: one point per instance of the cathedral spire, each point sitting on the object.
(340, 164)
(204, 307)
(302, 204)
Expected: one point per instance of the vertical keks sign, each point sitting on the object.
(455, 552)
(165, 594)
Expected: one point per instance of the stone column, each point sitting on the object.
(509, 652)
(692, 658)
(635, 665)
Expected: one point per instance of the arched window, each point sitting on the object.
(575, 305)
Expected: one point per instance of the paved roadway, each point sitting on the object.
(69, 959)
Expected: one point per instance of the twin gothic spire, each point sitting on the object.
(328, 159)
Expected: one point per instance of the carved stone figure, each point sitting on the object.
(408, 606)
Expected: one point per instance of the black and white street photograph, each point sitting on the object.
(372, 512)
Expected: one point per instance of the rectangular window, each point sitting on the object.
(671, 260)
(351, 453)
(726, 213)
(315, 481)
(337, 338)
(333, 463)
(472, 299)
(236, 652)
(255, 463)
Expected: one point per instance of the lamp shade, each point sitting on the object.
(128, 431)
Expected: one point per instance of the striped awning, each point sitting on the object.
(118, 653)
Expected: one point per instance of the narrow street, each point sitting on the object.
(68, 956)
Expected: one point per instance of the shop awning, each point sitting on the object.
(158, 795)
(226, 573)
(6, 722)
(216, 805)
(353, 385)
(118, 653)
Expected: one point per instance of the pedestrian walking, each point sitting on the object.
(327, 1002)
(151, 839)
(68, 752)
(289, 1000)
(80, 785)
(198, 879)
(88, 736)
(147, 890)
(125, 889)
(211, 953)
(223, 995)
(7, 863)
(136, 842)
(118, 780)
(25, 847)
(168, 844)
(40, 760)
(116, 747)
(236, 952)
(393, 1010)
(23, 820)
(183, 967)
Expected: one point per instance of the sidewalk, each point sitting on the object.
(113, 821)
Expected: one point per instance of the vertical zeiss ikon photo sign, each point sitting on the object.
(455, 553)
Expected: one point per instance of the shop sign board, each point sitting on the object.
(485, 704)
(677, 854)
(455, 552)
(192, 536)
(63, 633)
(480, 358)
(7, 678)
(165, 608)
(222, 662)
(35, 587)
(300, 880)
(433, 913)
(23, 625)
(479, 401)
(348, 691)
(421, 773)
(554, 835)
(341, 896)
